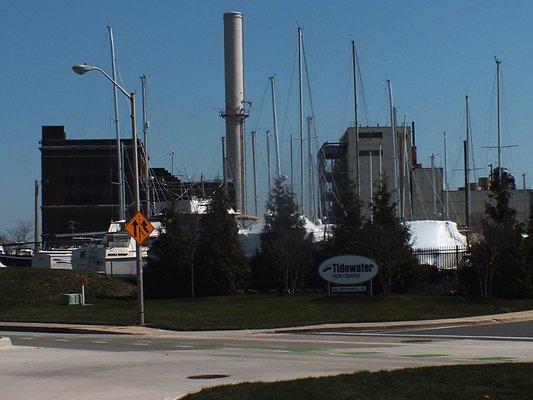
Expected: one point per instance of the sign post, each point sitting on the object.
(139, 228)
(346, 273)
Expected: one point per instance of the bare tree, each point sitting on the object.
(22, 232)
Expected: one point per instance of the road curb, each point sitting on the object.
(70, 329)
(438, 323)
(5, 342)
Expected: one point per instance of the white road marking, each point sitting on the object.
(140, 344)
(185, 346)
(26, 338)
(61, 340)
(428, 336)
(99, 341)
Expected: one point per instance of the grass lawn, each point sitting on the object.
(32, 296)
(459, 382)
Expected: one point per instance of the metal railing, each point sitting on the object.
(444, 258)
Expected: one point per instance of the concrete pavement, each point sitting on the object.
(86, 367)
(104, 362)
(5, 341)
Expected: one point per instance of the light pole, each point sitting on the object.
(172, 153)
(81, 69)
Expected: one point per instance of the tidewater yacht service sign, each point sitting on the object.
(348, 269)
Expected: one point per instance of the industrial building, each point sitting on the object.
(339, 161)
(422, 194)
(80, 184)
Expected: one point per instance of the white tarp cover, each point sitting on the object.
(430, 234)
(250, 236)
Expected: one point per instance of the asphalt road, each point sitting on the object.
(90, 367)
(521, 331)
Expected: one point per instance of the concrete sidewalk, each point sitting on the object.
(362, 326)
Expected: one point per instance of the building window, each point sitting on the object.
(69, 199)
(370, 135)
(374, 152)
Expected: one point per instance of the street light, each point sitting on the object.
(81, 69)
(172, 153)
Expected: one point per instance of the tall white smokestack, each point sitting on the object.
(235, 112)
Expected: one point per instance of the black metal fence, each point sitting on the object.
(444, 258)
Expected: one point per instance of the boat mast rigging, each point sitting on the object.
(121, 186)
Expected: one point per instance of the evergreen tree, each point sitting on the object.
(386, 240)
(220, 263)
(528, 252)
(347, 232)
(498, 256)
(169, 258)
(285, 246)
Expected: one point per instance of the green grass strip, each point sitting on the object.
(511, 381)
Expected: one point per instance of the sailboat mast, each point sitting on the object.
(403, 160)
(146, 154)
(446, 198)
(394, 151)
(356, 118)
(275, 122)
(301, 120)
(121, 189)
(269, 164)
(433, 185)
(37, 217)
(292, 166)
(498, 62)
(254, 172)
(310, 171)
(467, 169)
(224, 170)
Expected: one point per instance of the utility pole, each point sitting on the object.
(356, 119)
(275, 122)
(254, 172)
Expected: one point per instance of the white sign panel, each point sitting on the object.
(347, 289)
(348, 269)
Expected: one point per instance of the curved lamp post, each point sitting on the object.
(81, 69)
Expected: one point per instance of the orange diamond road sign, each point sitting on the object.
(139, 228)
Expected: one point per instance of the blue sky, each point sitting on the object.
(434, 52)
